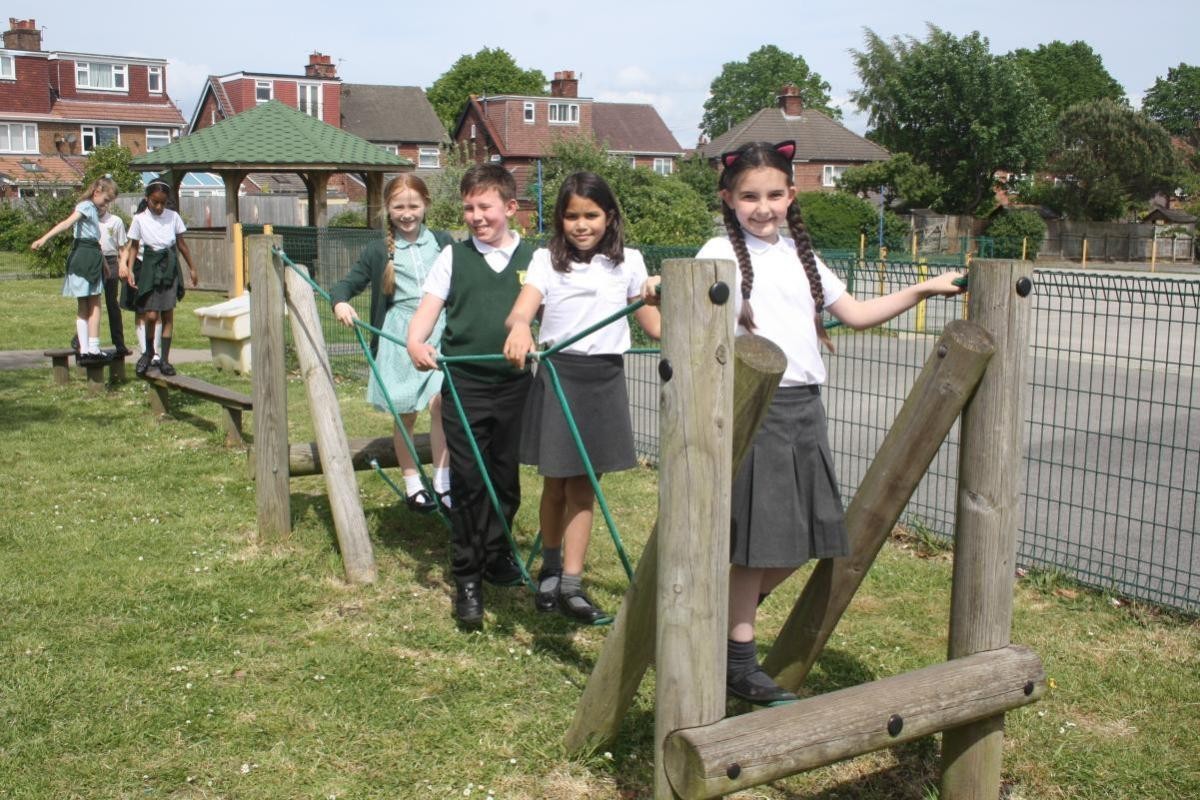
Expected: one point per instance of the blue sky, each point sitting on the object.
(662, 52)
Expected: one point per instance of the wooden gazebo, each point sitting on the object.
(276, 138)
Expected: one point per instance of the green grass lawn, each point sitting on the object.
(150, 647)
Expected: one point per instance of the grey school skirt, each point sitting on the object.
(595, 390)
(786, 504)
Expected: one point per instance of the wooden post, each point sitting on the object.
(989, 489)
(773, 743)
(943, 387)
(374, 181)
(233, 230)
(318, 204)
(304, 458)
(348, 520)
(269, 370)
(629, 647)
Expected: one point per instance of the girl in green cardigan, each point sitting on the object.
(395, 269)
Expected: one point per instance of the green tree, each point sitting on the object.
(1174, 102)
(953, 106)
(837, 220)
(1068, 74)
(1112, 159)
(744, 87)
(1013, 230)
(899, 176)
(491, 71)
(44, 211)
(696, 171)
(112, 160)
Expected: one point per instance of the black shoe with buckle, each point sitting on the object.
(546, 602)
(165, 368)
(756, 686)
(142, 365)
(92, 359)
(580, 608)
(503, 571)
(420, 502)
(468, 604)
(121, 352)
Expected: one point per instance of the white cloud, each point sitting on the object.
(184, 83)
(633, 76)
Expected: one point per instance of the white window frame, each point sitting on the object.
(530, 113)
(472, 130)
(632, 161)
(154, 75)
(270, 87)
(314, 90)
(8, 68)
(93, 132)
(429, 157)
(664, 166)
(120, 76)
(29, 137)
(831, 172)
(394, 149)
(158, 133)
(563, 113)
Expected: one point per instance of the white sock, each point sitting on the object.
(81, 334)
(93, 344)
(412, 484)
(158, 340)
(141, 337)
(441, 479)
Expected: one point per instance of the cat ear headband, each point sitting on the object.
(786, 149)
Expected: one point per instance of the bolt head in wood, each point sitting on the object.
(1024, 287)
(733, 770)
(664, 370)
(719, 293)
(895, 725)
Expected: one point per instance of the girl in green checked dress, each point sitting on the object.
(395, 268)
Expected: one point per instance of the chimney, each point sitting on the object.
(22, 34)
(789, 100)
(320, 66)
(565, 84)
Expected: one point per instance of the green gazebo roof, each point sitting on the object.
(270, 137)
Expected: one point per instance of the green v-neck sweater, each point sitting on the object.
(479, 302)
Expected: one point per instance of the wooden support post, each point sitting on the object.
(231, 420)
(116, 370)
(304, 458)
(61, 365)
(159, 402)
(943, 387)
(358, 557)
(989, 490)
(629, 647)
(269, 370)
(695, 420)
(95, 377)
(751, 749)
(233, 230)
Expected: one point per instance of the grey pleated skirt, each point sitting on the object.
(595, 390)
(786, 505)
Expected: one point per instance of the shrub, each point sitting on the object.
(44, 212)
(1009, 228)
(349, 219)
(16, 231)
(836, 221)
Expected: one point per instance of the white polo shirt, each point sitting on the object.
(438, 282)
(156, 231)
(782, 303)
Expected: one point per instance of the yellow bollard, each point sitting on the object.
(922, 274)
(1153, 253)
(862, 246)
(1083, 259)
(238, 286)
(1024, 248)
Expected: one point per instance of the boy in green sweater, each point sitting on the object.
(477, 281)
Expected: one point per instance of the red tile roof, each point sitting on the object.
(91, 111)
(32, 170)
(632, 128)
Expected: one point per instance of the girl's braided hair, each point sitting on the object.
(776, 156)
(405, 180)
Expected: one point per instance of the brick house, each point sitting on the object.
(517, 130)
(56, 106)
(824, 147)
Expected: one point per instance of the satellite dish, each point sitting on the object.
(70, 138)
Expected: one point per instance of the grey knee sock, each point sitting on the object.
(551, 561)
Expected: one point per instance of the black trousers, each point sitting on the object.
(116, 325)
(494, 413)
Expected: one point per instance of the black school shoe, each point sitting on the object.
(142, 365)
(503, 571)
(546, 602)
(579, 607)
(468, 604)
(756, 687)
(91, 359)
(165, 368)
(420, 502)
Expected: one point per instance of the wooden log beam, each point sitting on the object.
(751, 749)
(358, 557)
(304, 457)
(629, 647)
(943, 387)
(987, 514)
(269, 369)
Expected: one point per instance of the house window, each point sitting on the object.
(664, 166)
(428, 157)
(830, 174)
(262, 91)
(99, 135)
(472, 130)
(154, 80)
(156, 138)
(391, 148)
(18, 137)
(564, 113)
(8, 68)
(98, 75)
(529, 112)
(308, 99)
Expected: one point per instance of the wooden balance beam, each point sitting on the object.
(60, 360)
(231, 402)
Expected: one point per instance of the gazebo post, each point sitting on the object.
(318, 205)
(233, 183)
(374, 181)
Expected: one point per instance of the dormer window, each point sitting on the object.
(529, 112)
(102, 76)
(8, 70)
(154, 80)
(262, 91)
(564, 113)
